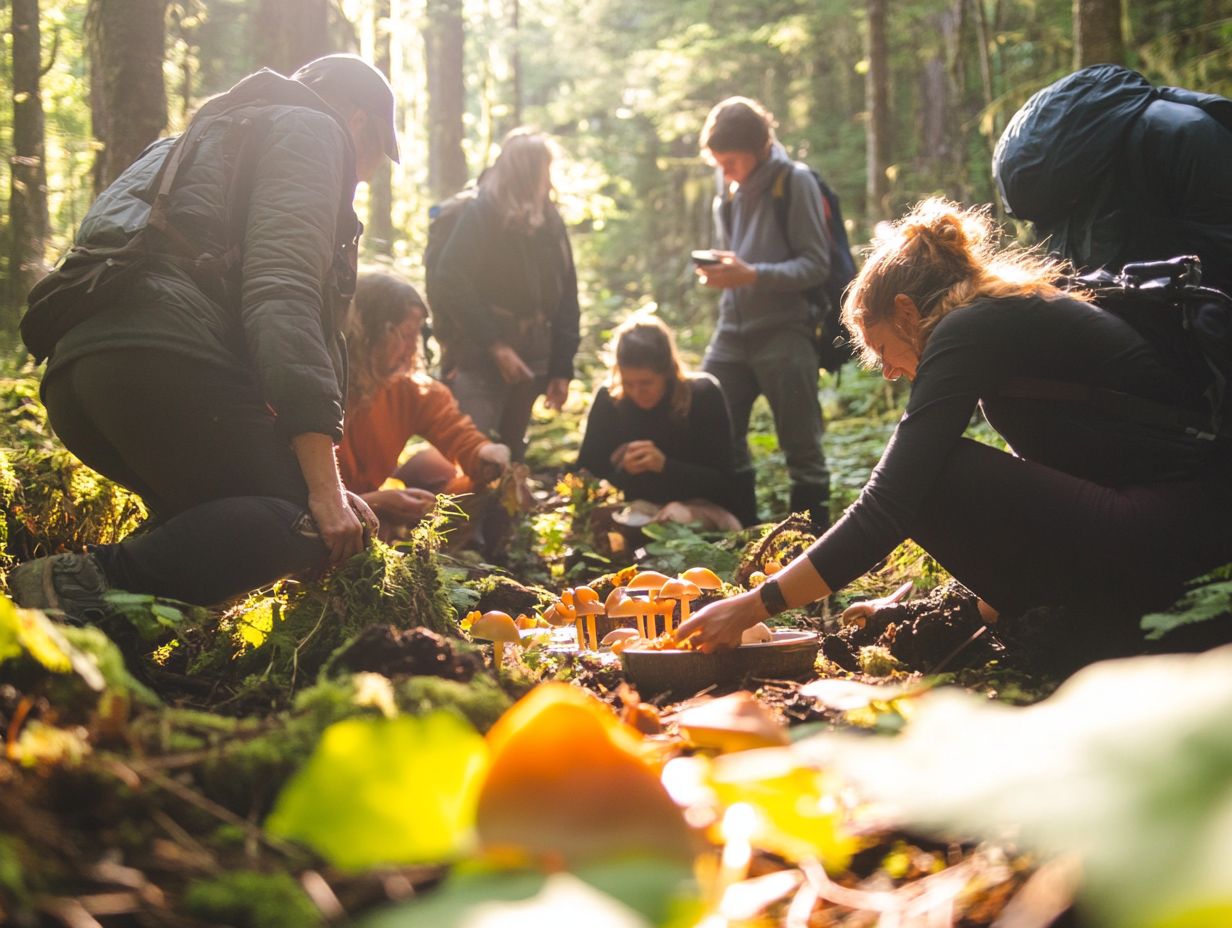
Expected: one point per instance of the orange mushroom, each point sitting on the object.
(498, 628)
(586, 612)
(627, 607)
(731, 723)
(684, 591)
(704, 577)
(648, 581)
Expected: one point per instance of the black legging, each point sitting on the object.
(1019, 534)
(198, 445)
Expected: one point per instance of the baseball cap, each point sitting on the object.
(353, 79)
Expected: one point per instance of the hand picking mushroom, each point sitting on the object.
(683, 591)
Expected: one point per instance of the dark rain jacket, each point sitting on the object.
(497, 284)
(276, 319)
(1114, 170)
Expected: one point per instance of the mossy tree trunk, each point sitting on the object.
(290, 33)
(444, 42)
(28, 177)
(1098, 37)
(128, 97)
(877, 97)
(379, 234)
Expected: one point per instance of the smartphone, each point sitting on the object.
(705, 256)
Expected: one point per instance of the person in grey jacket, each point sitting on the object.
(218, 397)
(762, 342)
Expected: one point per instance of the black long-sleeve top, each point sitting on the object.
(699, 450)
(971, 358)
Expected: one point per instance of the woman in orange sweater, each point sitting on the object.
(389, 402)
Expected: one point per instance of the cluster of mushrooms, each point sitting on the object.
(648, 596)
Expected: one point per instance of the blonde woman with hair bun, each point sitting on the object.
(1091, 506)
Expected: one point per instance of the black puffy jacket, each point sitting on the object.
(1114, 170)
(277, 319)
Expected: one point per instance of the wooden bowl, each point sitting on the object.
(790, 656)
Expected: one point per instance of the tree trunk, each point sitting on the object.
(444, 39)
(515, 62)
(877, 103)
(128, 97)
(379, 235)
(1097, 33)
(28, 177)
(290, 33)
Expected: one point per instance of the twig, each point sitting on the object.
(191, 796)
(962, 644)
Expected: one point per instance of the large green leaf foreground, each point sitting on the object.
(1128, 766)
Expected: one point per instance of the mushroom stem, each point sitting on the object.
(498, 655)
(684, 611)
(577, 627)
(592, 632)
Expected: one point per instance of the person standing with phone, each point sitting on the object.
(762, 345)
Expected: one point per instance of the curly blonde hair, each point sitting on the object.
(943, 256)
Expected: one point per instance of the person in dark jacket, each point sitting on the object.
(1112, 170)
(219, 401)
(761, 345)
(1090, 509)
(505, 309)
(659, 434)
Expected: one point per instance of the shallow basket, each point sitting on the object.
(789, 656)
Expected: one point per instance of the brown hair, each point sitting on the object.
(383, 301)
(512, 182)
(738, 124)
(645, 342)
(943, 256)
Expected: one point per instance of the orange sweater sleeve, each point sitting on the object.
(440, 421)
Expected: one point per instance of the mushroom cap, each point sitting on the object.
(755, 634)
(704, 577)
(589, 608)
(496, 626)
(618, 635)
(556, 617)
(584, 594)
(677, 588)
(650, 580)
(731, 723)
(617, 594)
(627, 608)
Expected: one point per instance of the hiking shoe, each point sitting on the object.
(70, 584)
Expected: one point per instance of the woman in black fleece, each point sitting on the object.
(659, 434)
(1091, 508)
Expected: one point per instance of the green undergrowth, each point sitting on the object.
(277, 641)
(49, 500)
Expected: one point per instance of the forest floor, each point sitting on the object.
(302, 757)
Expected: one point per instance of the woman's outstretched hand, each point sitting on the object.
(719, 626)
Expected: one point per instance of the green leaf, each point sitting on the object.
(29, 631)
(1212, 601)
(386, 791)
(1128, 765)
(630, 893)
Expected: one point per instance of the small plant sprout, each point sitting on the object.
(498, 628)
(684, 592)
(704, 577)
(586, 611)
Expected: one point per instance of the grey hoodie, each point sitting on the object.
(786, 265)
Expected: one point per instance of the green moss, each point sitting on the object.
(877, 661)
(480, 700)
(247, 899)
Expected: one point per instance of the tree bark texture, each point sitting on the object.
(1098, 38)
(877, 105)
(28, 176)
(290, 33)
(444, 41)
(379, 235)
(128, 96)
